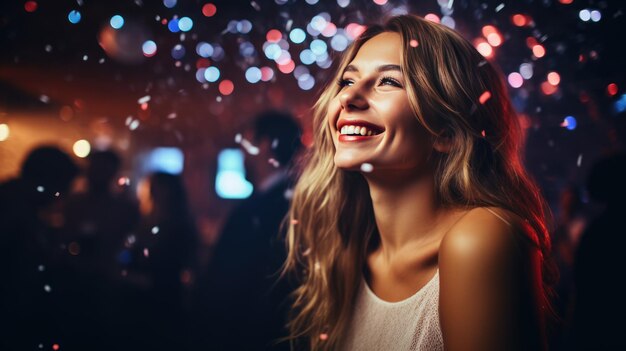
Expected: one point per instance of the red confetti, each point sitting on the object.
(612, 89)
(484, 97)
(323, 336)
(55, 347)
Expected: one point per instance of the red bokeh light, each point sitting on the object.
(30, 6)
(209, 10)
(226, 87)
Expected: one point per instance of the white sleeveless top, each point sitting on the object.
(410, 324)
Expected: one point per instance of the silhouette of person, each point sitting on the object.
(600, 303)
(570, 223)
(246, 304)
(165, 258)
(29, 291)
(97, 222)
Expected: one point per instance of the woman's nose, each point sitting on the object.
(352, 98)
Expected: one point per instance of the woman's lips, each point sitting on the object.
(353, 138)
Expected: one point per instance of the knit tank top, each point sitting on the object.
(410, 324)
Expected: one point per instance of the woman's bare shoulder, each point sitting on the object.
(484, 235)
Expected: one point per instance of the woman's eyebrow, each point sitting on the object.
(381, 68)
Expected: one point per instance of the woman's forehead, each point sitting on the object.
(382, 49)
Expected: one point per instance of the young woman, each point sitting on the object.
(414, 225)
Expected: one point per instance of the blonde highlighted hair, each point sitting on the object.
(332, 228)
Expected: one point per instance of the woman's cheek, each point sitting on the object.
(334, 107)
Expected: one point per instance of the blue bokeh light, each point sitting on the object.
(212, 74)
(297, 35)
(230, 181)
(117, 22)
(185, 24)
(74, 16)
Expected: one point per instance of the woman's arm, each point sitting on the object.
(482, 283)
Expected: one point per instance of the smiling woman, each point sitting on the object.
(414, 225)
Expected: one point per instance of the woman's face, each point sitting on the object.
(371, 119)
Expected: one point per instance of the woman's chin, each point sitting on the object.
(350, 164)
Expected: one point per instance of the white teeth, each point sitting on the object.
(356, 130)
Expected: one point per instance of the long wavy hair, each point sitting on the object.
(331, 225)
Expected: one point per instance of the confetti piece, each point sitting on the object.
(144, 99)
(579, 161)
(367, 167)
(484, 97)
(273, 162)
(294, 221)
(155, 230)
(413, 43)
(323, 336)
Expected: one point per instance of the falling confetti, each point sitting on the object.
(367, 167)
(484, 97)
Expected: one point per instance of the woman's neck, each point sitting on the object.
(406, 211)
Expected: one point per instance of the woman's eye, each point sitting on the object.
(390, 81)
(344, 82)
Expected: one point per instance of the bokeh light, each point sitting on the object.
(484, 48)
(539, 51)
(209, 10)
(185, 24)
(569, 122)
(74, 16)
(253, 75)
(30, 6)
(81, 148)
(212, 74)
(149, 48)
(554, 78)
(515, 80)
(226, 87)
(4, 132)
(297, 35)
(117, 22)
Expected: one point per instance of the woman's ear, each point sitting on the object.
(443, 143)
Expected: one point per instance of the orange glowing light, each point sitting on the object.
(539, 51)
(484, 48)
(519, 20)
(554, 78)
(548, 88)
